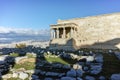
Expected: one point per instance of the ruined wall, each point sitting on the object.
(99, 29)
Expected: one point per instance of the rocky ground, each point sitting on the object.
(31, 62)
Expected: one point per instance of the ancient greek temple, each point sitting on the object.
(101, 32)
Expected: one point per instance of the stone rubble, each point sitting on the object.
(89, 63)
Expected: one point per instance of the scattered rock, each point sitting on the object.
(7, 76)
(79, 78)
(79, 73)
(95, 69)
(71, 73)
(115, 77)
(23, 75)
(89, 78)
(77, 66)
(67, 78)
(90, 58)
(85, 68)
(99, 58)
(34, 77)
(53, 74)
(73, 56)
(66, 67)
(48, 79)
(15, 75)
(61, 74)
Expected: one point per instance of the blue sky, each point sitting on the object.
(39, 14)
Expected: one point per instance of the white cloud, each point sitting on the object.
(25, 31)
(1, 39)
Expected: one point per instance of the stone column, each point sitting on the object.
(64, 33)
(57, 32)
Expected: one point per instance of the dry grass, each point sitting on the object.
(27, 60)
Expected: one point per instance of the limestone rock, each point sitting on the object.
(15, 75)
(90, 58)
(7, 76)
(77, 66)
(23, 75)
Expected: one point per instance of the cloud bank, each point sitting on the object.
(25, 31)
(9, 34)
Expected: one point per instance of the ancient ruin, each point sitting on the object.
(101, 32)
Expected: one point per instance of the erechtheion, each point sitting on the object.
(102, 31)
